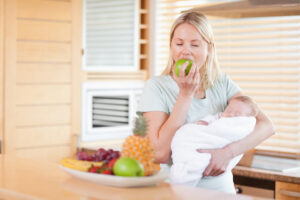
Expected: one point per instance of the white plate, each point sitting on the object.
(119, 181)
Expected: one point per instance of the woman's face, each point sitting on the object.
(187, 43)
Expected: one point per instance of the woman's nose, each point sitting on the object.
(186, 50)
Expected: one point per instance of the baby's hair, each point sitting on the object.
(250, 102)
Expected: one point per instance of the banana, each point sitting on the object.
(80, 165)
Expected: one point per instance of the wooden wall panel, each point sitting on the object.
(44, 30)
(43, 73)
(43, 52)
(76, 72)
(43, 94)
(39, 75)
(10, 32)
(46, 153)
(42, 115)
(44, 136)
(1, 72)
(43, 9)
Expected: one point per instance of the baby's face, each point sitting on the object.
(237, 108)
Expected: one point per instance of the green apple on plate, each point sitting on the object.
(179, 64)
(125, 166)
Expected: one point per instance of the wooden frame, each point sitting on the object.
(76, 73)
(10, 15)
(1, 72)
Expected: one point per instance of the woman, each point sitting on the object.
(168, 101)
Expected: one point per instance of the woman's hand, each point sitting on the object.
(189, 84)
(218, 162)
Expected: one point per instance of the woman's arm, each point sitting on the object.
(161, 127)
(221, 157)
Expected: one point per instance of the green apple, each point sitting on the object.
(128, 167)
(179, 64)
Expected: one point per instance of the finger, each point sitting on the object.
(215, 172)
(208, 170)
(203, 150)
(182, 70)
(218, 172)
(174, 74)
(192, 71)
(197, 79)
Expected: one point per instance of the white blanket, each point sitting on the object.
(188, 164)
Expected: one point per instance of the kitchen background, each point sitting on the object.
(61, 59)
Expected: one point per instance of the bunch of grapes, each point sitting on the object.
(101, 155)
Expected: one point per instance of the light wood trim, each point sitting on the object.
(42, 115)
(247, 9)
(10, 57)
(43, 52)
(271, 86)
(42, 136)
(254, 37)
(255, 43)
(44, 30)
(275, 100)
(266, 79)
(44, 10)
(37, 73)
(98, 76)
(237, 51)
(286, 94)
(287, 191)
(76, 73)
(40, 94)
(259, 64)
(256, 71)
(1, 73)
(49, 154)
(222, 23)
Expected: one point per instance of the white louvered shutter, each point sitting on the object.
(110, 111)
(110, 35)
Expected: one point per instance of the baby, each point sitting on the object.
(237, 107)
(214, 131)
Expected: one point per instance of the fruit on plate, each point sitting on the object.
(104, 169)
(179, 64)
(125, 166)
(112, 163)
(101, 155)
(138, 146)
(79, 164)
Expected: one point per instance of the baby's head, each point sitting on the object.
(241, 106)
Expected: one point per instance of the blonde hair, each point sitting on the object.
(247, 100)
(210, 71)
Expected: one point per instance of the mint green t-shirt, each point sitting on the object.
(160, 94)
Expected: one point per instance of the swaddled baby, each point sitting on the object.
(237, 121)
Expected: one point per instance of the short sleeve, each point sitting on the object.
(231, 87)
(153, 98)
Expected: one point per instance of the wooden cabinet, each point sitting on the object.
(41, 75)
(287, 191)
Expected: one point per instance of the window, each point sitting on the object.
(262, 55)
(110, 35)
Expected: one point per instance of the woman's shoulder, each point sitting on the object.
(221, 80)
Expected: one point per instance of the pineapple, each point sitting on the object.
(138, 146)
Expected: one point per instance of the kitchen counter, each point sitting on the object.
(22, 178)
(290, 177)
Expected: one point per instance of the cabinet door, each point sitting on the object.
(1, 71)
(287, 191)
